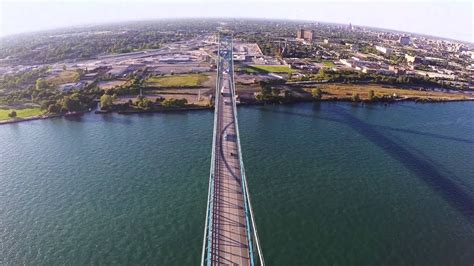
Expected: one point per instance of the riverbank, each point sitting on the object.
(156, 110)
(37, 117)
(329, 93)
(385, 92)
(18, 111)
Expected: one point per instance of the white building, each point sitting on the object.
(383, 50)
(412, 59)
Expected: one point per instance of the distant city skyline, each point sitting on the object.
(439, 18)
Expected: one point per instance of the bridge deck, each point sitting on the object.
(230, 244)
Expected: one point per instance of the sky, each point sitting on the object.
(449, 19)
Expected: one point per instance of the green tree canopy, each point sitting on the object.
(317, 93)
(171, 102)
(371, 95)
(12, 114)
(106, 101)
(54, 108)
(41, 84)
(72, 103)
(356, 97)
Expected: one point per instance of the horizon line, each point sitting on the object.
(85, 25)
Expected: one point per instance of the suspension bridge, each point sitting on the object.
(230, 234)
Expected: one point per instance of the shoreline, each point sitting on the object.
(39, 117)
(204, 108)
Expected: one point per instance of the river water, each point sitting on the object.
(331, 184)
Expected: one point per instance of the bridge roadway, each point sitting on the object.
(229, 238)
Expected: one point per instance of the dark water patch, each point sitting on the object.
(298, 114)
(426, 134)
(444, 185)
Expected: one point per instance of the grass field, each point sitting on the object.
(190, 80)
(109, 84)
(268, 69)
(21, 113)
(328, 64)
(67, 76)
(344, 91)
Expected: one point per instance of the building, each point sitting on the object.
(91, 76)
(383, 50)
(348, 62)
(120, 71)
(351, 27)
(404, 40)
(354, 47)
(412, 59)
(72, 86)
(396, 70)
(304, 35)
(368, 70)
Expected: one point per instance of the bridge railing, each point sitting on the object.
(206, 246)
(251, 227)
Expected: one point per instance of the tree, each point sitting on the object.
(356, 97)
(54, 108)
(266, 90)
(371, 95)
(183, 102)
(275, 91)
(144, 103)
(317, 94)
(40, 84)
(323, 73)
(106, 101)
(12, 114)
(171, 102)
(72, 103)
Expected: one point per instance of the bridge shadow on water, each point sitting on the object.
(409, 131)
(426, 134)
(444, 185)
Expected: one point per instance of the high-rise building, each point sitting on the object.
(404, 40)
(306, 35)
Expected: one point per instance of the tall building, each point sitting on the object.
(404, 40)
(306, 35)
